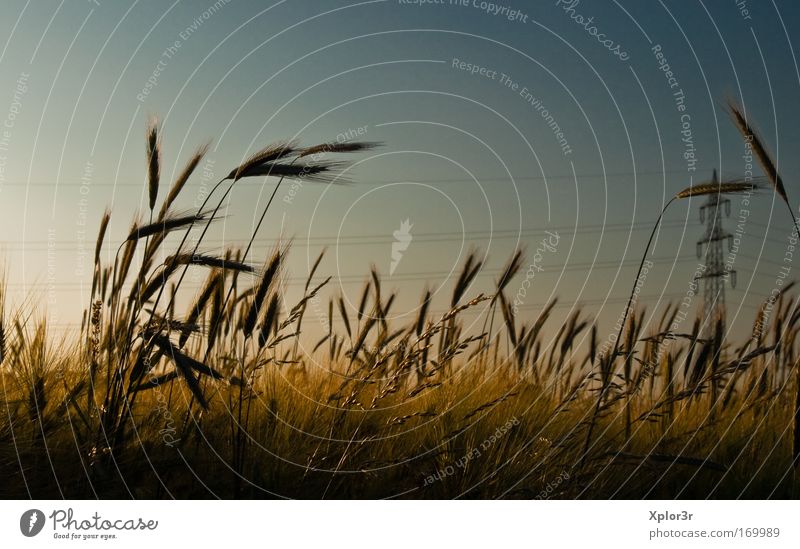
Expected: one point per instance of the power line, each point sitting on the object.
(492, 179)
(443, 236)
(416, 275)
(663, 298)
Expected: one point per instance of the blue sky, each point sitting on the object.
(468, 159)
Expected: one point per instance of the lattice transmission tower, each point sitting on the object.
(715, 273)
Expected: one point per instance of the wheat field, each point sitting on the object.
(229, 398)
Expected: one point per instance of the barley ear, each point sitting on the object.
(760, 151)
(183, 177)
(153, 161)
(101, 235)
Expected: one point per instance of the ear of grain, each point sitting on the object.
(217, 314)
(101, 234)
(2, 326)
(184, 362)
(268, 154)
(270, 322)
(330, 329)
(759, 149)
(338, 147)
(362, 336)
(321, 172)
(508, 318)
(153, 161)
(314, 268)
(471, 268)
(544, 315)
(268, 277)
(423, 313)
(509, 271)
(205, 260)
(362, 304)
(345, 319)
(728, 187)
(376, 284)
(200, 304)
(170, 223)
(387, 306)
(124, 263)
(182, 178)
(158, 280)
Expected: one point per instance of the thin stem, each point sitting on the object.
(186, 236)
(619, 334)
(250, 244)
(244, 257)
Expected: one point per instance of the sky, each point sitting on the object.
(560, 127)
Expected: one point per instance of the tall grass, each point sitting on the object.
(230, 398)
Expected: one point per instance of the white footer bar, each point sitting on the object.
(400, 524)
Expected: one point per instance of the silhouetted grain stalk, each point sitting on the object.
(261, 301)
(769, 167)
(709, 188)
(416, 378)
(126, 336)
(256, 166)
(303, 171)
(448, 336)
(268, 162)
(510, 270)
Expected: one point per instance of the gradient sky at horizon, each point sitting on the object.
(467, 160)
